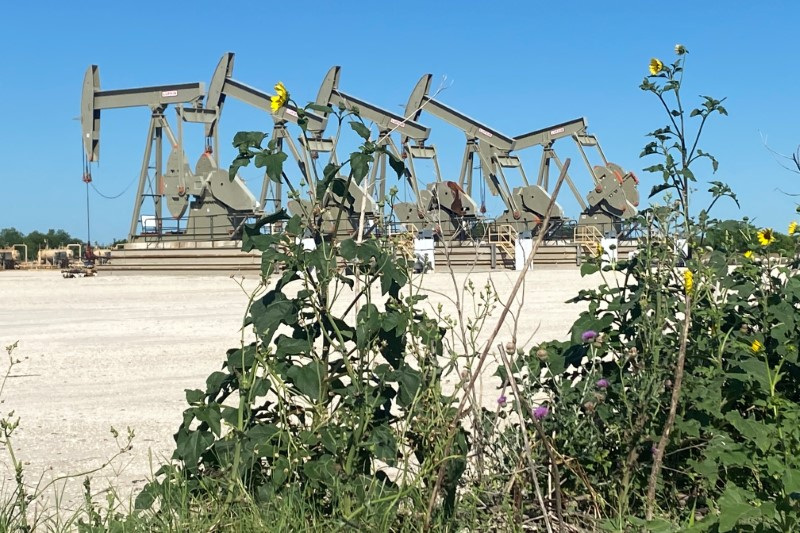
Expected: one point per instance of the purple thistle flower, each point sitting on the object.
(589, 336)
(501, 401)
(602, 383)
(541, 412)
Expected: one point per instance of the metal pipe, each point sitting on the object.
(25, 257)
(73, 245)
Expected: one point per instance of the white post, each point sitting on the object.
(423, 252)
(522, 249)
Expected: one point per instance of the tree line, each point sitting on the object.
(36, 240)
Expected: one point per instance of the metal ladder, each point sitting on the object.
(588, 237)
(505, 237)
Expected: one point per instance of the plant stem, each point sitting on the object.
(658, 457)
(476, 373)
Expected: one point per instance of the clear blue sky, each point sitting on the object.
(517, 66)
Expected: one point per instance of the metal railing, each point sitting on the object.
(504, 236)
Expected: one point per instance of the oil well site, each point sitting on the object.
(188, 215)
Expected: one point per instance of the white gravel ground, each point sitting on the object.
(119, 350)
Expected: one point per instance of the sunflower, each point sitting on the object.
(748, 254)
(766, 236)
(280, 98)
(688, 281)
(656, 66)
(680, 49)
(756, 346)
(792, 227)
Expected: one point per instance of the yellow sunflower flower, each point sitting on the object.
(280, 98)
(766, 236)
(688, 281)
(748, 254)
(756, 346)
(656, 66)
(792, 227)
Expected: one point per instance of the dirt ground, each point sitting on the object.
(119, 350)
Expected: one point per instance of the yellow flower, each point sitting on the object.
(688, 281)
(792, 227)
(280, 98)
(656, 66)
(680, 49)
(599, 251)
(756, 346)
(766, 237)
(748, 254)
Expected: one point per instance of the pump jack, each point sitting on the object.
(525, 205)
(222, 86)
(615, 195)
(441, 205)
(219, 205)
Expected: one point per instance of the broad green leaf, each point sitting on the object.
(271, 311)
(147, 496)
(319, 108)
(734, 508)
(210, 414)
(194, 396)
(360, 129)
(274, 164)
(409, 381)
(397, 165)
(359, 166)
(190, 446)
(308, 379)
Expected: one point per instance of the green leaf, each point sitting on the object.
(241, 160)
(214, 383)
(194, 396)
(191, 445)
(791, 482)
(210, 415)
(274, 164)
(253, 239)
(308, 379)
(658, 188)
(753, 430)
(588, 268)
(360, 129)
(319, 108)
(397, 165)
(348, 249)
(147, 496)
(359, 165)
(271, 311)
(756, 371)
(734, 508)
(246, 139)
(409, 381)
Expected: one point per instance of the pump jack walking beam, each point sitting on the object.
(525, 205)
(157, 98)
(386, 121)
(223, 85)
(614, 194)
(476, 133)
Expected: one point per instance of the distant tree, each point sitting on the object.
(10, 236)
(59, 238)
